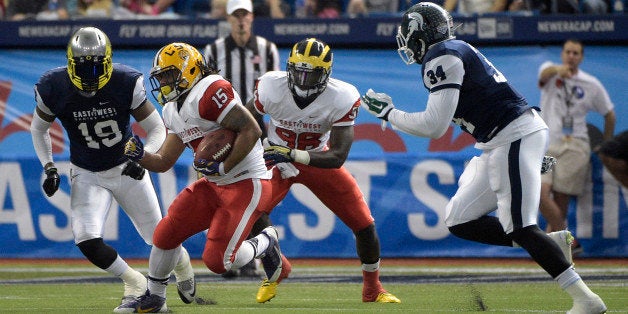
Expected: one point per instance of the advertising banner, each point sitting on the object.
(406, 180)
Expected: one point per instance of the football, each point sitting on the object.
(215, 146)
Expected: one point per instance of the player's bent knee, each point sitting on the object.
(163, 237)
(213, 263)
(97, 252)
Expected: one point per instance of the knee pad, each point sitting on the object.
(97, 252)
(485, 229)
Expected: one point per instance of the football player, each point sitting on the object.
(310, 134)
(233, 193)
(94, 99)
(464, 87)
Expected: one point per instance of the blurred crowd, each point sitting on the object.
(16, 10)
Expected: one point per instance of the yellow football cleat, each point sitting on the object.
(386, 297)
(266, 291)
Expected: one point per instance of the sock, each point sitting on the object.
(245, 253)
(134, 282)
(157, 286)
(370, 267)
(183, 270)
(130, 275)
(571, 282)
(372, 287)
(262, 244)
(162, 262)
(118, 267)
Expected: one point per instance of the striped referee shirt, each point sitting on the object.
(243, 66)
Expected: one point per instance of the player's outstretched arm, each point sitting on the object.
(160, 161)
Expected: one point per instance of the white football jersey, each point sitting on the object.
(202, 111)
(307, 128)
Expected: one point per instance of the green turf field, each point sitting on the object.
(502, 288)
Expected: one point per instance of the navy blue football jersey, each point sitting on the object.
(487, 102)
(98, 126)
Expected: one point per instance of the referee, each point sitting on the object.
(242, 58)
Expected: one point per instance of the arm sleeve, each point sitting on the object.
(41, 139)
(155, 130)
(139, 93)
(434, 121)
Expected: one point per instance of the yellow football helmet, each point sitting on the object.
(309, 67)
(89, 59)
(177, 67)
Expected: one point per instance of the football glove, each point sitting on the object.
(134, 148)
(547, 164)
(377, 104)
(275, 154)
(209, 168)
(51, 183)
(133, 170)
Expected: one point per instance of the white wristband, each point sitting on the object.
(300, 156)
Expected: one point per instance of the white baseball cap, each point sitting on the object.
(233, 5)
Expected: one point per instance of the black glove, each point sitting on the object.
(133, 170)
(51, 184)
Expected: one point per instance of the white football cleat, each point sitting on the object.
(134, 287)
(594, 305)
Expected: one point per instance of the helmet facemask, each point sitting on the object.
(309, 68)
(305, 81)
(165, 84)
(89, 60)
(407, 46)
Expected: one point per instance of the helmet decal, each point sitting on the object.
(422, 25)
(415, 24)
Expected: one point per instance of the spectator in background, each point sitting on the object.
(94, 9)
(318, 8)
(567, 95)
(469, 7)
(357, 8)
(218, 9)
(304, 8)
(136, 6)
(37, 9)
(242, 57)
(595, 6)
(555, 6)
(276, 9)
(2, 10)
(614, 156)
(158, 7)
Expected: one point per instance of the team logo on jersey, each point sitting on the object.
(94, 114)
(578, 92)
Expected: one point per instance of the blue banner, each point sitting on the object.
(364, 32)
(407, 194)
(406, 180)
